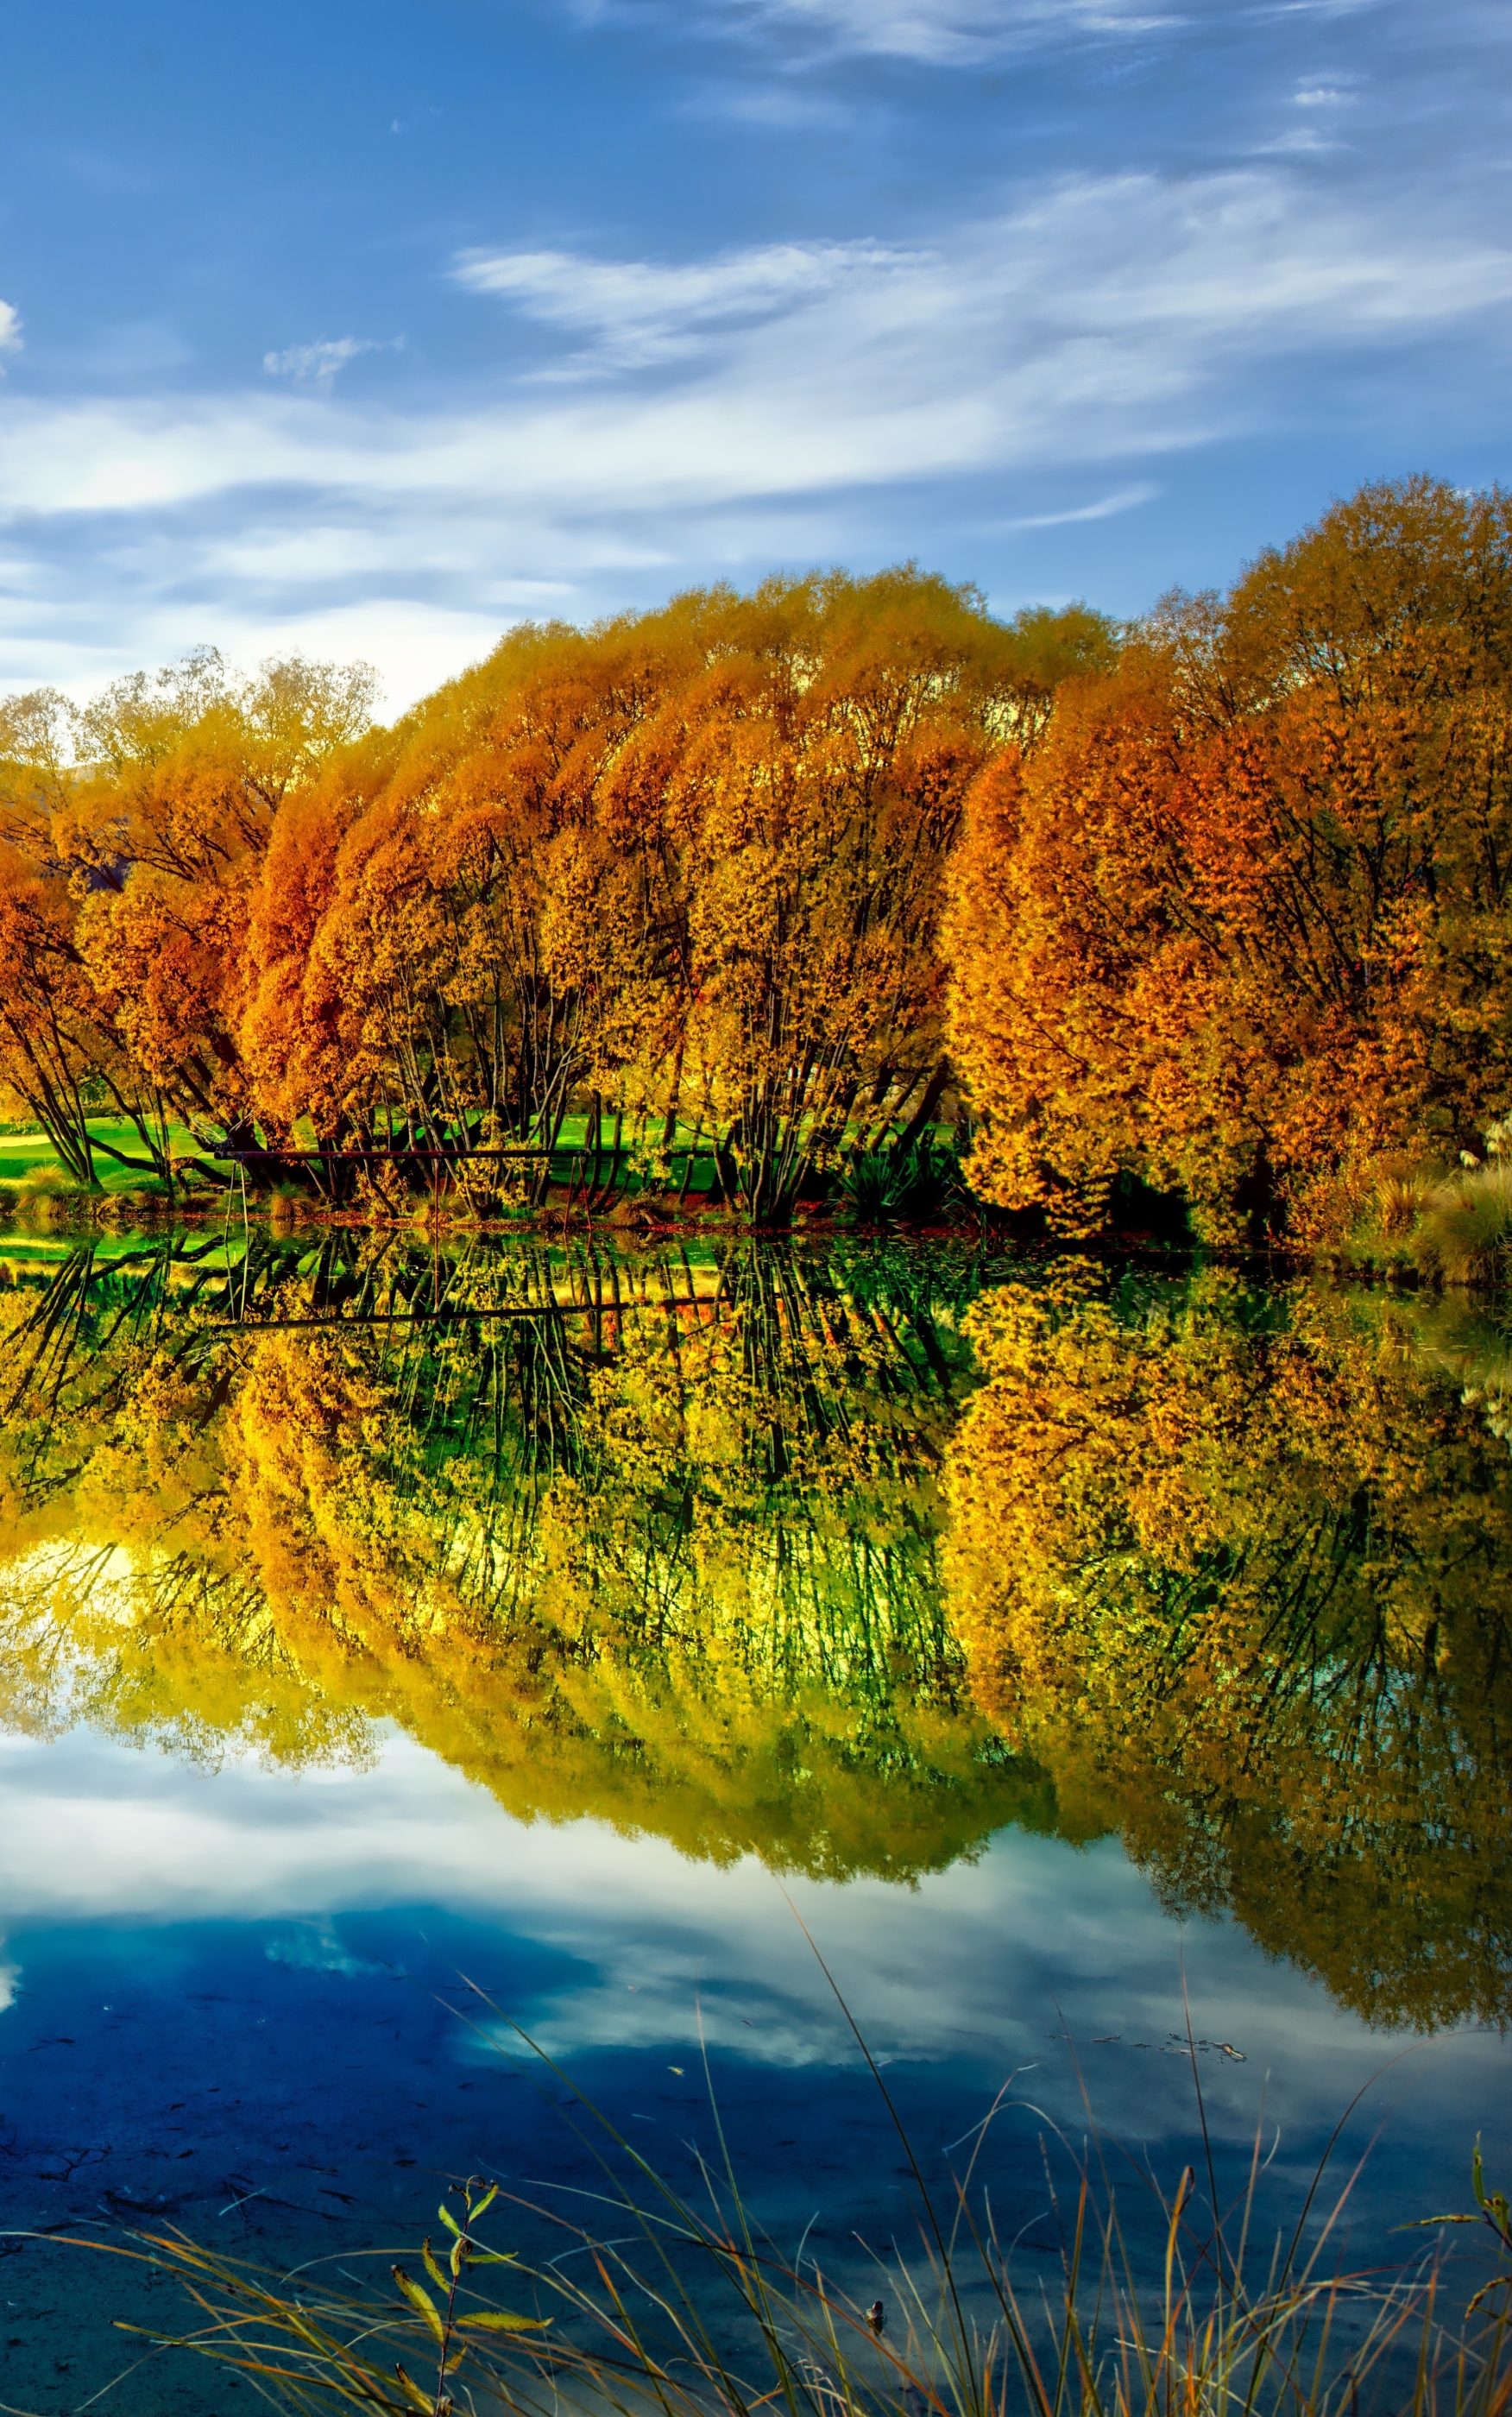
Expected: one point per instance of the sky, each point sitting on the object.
(369, 328)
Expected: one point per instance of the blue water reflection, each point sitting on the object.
(241, 1999)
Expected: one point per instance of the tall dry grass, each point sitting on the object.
(1463, 1234)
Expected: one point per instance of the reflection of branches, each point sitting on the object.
(1242, 1581)
(667, 1546)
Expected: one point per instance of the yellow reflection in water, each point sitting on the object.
(1238, 1571)
(800, 1554)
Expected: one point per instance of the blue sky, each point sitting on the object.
(370, 328)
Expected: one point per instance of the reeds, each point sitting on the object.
(1463, 1234)
(657, 2306)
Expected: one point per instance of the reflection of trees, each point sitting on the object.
(664, 1551)
(1239, 1575)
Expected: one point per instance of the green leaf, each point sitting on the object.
(430, 2267)
(484, 2203)
(420, 2300)
(458, 2255)
(503, 2324)
(495, 2256)
(449, 2221)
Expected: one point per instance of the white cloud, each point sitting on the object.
(961, 33)
(644, 311)
(936, 33)
(1101, 319)
(318, 365)
(647, 1948)
(1122, 500)
(9, 330)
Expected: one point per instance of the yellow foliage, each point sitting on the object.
(1236, 1571)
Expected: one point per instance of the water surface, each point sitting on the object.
(1075, 1653)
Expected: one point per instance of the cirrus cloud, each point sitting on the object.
(319, 364)
(640, 312)
(734, 401)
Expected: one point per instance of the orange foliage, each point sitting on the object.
(689, 860)
(1233, 1570)
(1245, 927)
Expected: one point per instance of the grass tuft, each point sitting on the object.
(1464, 1233)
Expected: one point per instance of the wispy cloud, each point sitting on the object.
(9, 330)
(1123, 499)
(1100, 320)
(1103, 315)
(639, 312)
(319, 365)
(937, 33)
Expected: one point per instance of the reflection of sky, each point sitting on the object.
(618, 1947)
(232, 2007)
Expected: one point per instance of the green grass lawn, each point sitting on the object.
(22, 1153)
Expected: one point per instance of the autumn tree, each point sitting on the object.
(689, 863)
(180, 782)
(55, 1047)
(1240, 925)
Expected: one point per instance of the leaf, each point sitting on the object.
(484, 2203)
(420, 2300)
(430, 2267)
(449, 2221)
(502, 2321)
(416, 2398)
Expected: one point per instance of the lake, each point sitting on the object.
(446, 1682)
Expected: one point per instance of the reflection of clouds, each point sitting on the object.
(314, 1947)
(977, 1967)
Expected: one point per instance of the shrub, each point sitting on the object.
(1464, 1233)
(922, 1181)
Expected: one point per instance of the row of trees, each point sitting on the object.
(1219, 902)
(1242, 924)
(687, 865)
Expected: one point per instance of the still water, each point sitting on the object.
(402, 1650)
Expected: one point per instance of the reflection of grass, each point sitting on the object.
(688, 2309)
